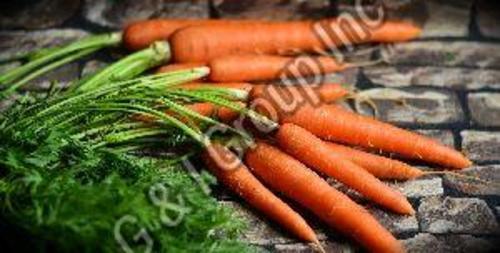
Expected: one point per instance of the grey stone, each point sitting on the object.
(92, 66)
(469, 186)
(412, 106)
(272, 9)
(395, 223)
(420, 188)
(447, 19)
(456, 215)
(260, 231)
(443, 53)
(438, 18)
(60, 77)
(485, 108)
(4, 67)
(443, 136)
(328, 246)
(424, 243)
(481, 146)
(17, 43)
(6, 103)
(455, 78)
(117, 14)
(36, 14)
(487, 18)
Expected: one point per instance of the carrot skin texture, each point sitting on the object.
(334, 123)
(313, 152)
(255, 67)
(179, 66)
(223, 114)
(379, 166)
(204, 43)
(240, 180)
(327, 93)
(285, 174)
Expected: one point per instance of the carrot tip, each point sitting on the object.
(316, 245)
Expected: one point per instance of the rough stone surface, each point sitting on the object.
(304, 248)
(36, 14)
(412, 106)
(489, 173)
(447, 19)
(8, 66)
(438, 18)
(116, 14)
(424, 243)
(485, 108)
(272, 9)
(15, 43)
(454, 78)
(420, 188)
(60, 77)
(396, 224)
(92, 66)
(444, 53)
(443, 136)
(456, 215)
(487, 18)
(260, 231)
(481, 146)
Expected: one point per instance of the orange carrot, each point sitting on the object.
(200, 85)
(379, 166)
(223, 114)
(337, 124)
(235, 175)
(179, 66)
(204, 43)
(253, 67)
(140, 34)
(290, 177)
(327, 93)
(315, 153)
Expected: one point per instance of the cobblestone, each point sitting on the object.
(413, 106)
(485, 108)
(304, 248)
(14, 43)
(272, 9)
(454, 78)
(260, 231)
(420, 188)
(489, 173)
(441, 53)
(92, 66)
(424, 243)
(481, 146)
(116, 14)
(456, 215)
(443, 136)
(36, 14)
(395, 223)
(487, 18)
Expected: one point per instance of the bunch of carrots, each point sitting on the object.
(311, 139)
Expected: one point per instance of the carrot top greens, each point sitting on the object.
(71, 178)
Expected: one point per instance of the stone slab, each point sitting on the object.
(489, 176)
(453, 78)
(484, 108)
(481, 146)
(456, 215)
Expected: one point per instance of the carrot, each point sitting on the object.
(337, 124)
(203, 43)
(253, 67)
(315, 153)
(179, 66)
(327, 93)
(235, 175)
(200, 85)
(223, 114)
(141, 34)
(379, 166)
(290, 177)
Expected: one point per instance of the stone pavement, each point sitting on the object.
(445, 85)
